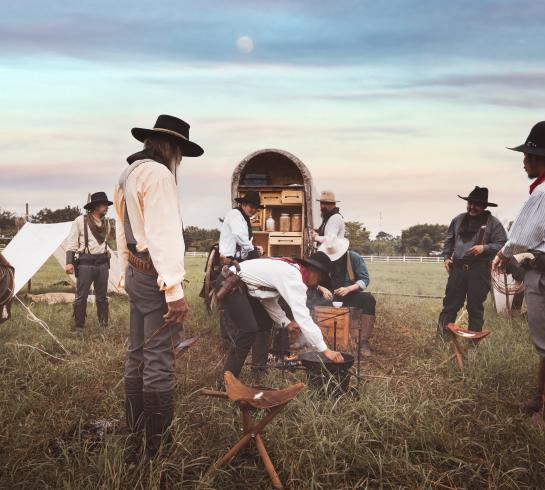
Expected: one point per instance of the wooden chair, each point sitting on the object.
(457, 333)
(248, 400)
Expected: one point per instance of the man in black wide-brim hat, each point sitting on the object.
(88, 257)
(528, 235)
(151, 250)
(473, 239)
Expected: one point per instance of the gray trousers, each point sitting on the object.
(534, 292)
(89, 275)
(150, 354)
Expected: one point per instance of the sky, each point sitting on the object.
(398, 106)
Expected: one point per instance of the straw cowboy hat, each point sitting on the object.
(175, 129)
(97, 198)
(480, 196)
(334, 247)
(327, 196)
(535, 143)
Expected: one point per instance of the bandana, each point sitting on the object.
(99, 231)
(536, 182)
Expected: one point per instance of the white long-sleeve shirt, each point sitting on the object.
(154, 211)
(334, 226)
(528, 230)
(234, 231)
(287, 282)
(76, 239)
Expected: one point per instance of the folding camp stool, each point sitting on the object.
(460, 349)
(250, 399)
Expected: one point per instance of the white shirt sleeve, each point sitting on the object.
(335, 226)
(72, 244)
(528, 230)
(163, 230)
(239, 229)
(294, 291)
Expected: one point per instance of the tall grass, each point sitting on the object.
(415, 424)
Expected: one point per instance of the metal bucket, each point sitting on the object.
(330, 378)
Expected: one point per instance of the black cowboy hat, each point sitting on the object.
(174, 128)
(480, 196)
(251, 197)
(97, 198)
(535, 143)
(321, 262)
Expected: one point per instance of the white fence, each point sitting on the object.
(403, 258)
(368, 258)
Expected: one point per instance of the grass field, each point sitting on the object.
(414, 425)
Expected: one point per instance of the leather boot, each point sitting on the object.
(158, 415)
(80, 312)
(535, 403)
(134, 416)
(366, 324)
(102, 313)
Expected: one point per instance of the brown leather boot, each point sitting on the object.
(366, 324)
(535, 403)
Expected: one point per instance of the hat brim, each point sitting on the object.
(345, 245)
(92, 204)
(329, 202)
(189, 148)
(325, 279)
(240, 200)
(529, 150)
(487, 204)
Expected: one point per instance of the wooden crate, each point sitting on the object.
(292, 197)
(268, 198)
(325, 317)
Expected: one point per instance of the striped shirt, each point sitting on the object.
(528, 230)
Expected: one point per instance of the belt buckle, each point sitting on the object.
(465, 267)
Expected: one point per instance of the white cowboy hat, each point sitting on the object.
(334, 247)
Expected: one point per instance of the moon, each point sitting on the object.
(245, 44)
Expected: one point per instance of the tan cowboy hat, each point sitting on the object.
(334, 247)
(327, 196)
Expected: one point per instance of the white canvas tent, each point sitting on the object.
(35, 243)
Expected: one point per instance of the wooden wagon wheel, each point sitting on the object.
(213, 258)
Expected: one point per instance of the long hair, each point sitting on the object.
(167, 151)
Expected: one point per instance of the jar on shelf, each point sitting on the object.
(296, 222)
(285, 222)
(270, 224)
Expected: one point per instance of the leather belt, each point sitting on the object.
(143, 263)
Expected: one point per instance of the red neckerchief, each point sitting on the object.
(536, 182)
(302, 269)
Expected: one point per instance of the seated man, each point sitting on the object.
(350, 278)
(265, 281)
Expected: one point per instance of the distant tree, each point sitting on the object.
(200, 239)
(358, 236)
(382, 235)
(7, 223)
(47, 215)
(421, 239)
(385, 244)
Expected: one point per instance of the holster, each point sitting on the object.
(538, 263)
(229, 282)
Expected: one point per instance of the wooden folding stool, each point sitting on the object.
(251, 399)
(457, 333)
